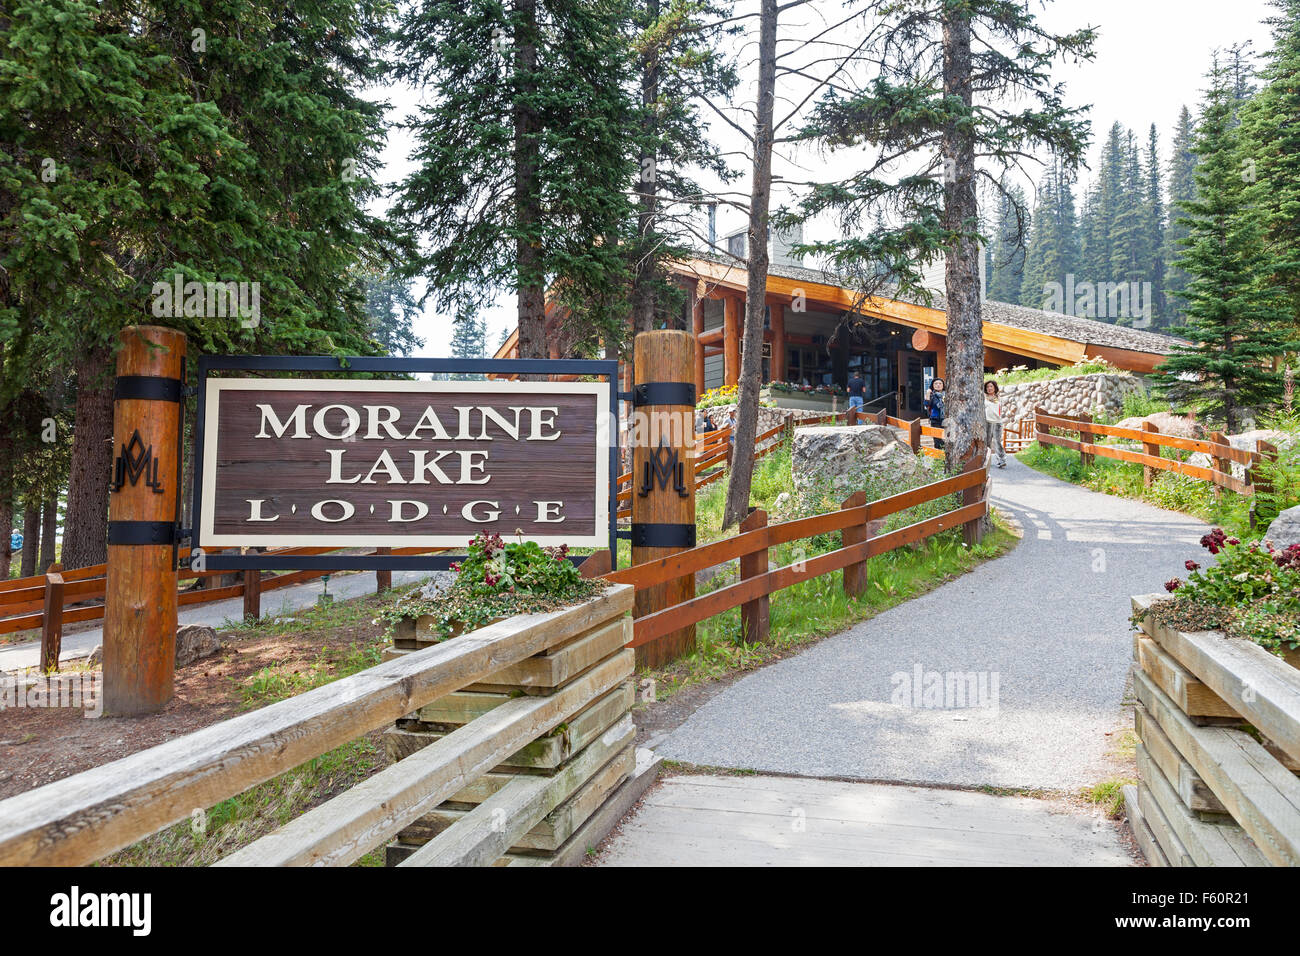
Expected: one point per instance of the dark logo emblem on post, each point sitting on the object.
(663, 467)
(135, 461)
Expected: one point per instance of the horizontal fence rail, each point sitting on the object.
(1221, 454)
(85, 817)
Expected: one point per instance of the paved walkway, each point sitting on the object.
(1044, 628)
(15, 657)
(786, 821)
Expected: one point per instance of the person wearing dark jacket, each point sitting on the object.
(934, 407)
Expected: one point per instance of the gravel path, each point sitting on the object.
(1045, 628)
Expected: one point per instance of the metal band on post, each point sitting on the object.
(676, 536)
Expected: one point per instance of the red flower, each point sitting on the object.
(1172, 585)
(1190, 565)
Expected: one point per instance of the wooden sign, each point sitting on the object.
(337, 464)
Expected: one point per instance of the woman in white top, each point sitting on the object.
(993, 415)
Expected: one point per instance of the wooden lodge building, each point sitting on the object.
(809, 353)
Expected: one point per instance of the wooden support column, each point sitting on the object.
(855, 575)
(384, 577)
(914, 435)
(777, 368)
(140, 590)
(697, 323)
(52, 620)
(1152, 449)
(732, 310)
(663, 470)
(756, 614)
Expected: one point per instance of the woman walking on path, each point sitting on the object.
(934, 408)
(993, 416)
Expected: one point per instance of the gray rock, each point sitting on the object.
(1167, 423)
(195, 642)
(846, 457)
(96, 657)
(1285, 529)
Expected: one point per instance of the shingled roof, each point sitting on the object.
(1058, 324)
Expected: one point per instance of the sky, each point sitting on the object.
(1151, 57)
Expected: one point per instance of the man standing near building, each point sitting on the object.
(857, 393)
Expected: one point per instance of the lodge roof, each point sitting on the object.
(1056, 324)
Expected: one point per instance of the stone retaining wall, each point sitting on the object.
(1076, 395)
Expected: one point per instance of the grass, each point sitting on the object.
(1171, 491)
(1108, 795)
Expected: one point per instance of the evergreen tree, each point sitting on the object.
(392, 310)
(1130, 259)
(1236, 325)
(1182, 189)
(1271, 154)
(1153, 215)
(1005, 255)
(1052, 255)
(523, 155)
(1097, 253)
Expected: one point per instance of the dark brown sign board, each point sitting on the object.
(365, 463)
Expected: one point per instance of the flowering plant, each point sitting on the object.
(1252, 591)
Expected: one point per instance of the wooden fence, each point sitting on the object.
(1151, 458)
(1218, 722)
(51, 600)
(857, 522)
(85, 817)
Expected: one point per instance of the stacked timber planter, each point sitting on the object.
(577, 763)
(1218, 722)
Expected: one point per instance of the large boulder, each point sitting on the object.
(195, 642)
(847, 458)
(1285, 529)
(1167, 423)
(1246, 441)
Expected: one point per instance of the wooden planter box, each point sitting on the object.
(578, 766)
(1218, 722)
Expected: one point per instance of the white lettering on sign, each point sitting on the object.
(346, 507)
(472, 463)
(255, 510)
(399, 510)
(549, 510)
(469, 512)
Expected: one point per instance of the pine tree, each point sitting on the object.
(1153, 215)
(1271, 154)
(523, 155)
(1005, 263)
(1236, 325)
(936, 77)
(392, 310)
(1097, 254)
(1052, 255)
(1182, 189)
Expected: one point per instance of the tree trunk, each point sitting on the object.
(31, 535)
(751, 358)
(964, 406)
(85, 525)
(49, 531)
(529, 268)
(643, 269)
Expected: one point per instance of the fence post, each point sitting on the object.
(1221, 465)
(140, 586)
(754, 615)
(384, 576)
(1039, 427)
(663, 465)
(52, 620)
(882, 417)
(252, 595)
(1152, 449)
(855, 574)
(972, 532)
(1085, 439)
(914, 435)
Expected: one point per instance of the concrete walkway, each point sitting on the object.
(1044, 630)
(703, 820)
(14, 657)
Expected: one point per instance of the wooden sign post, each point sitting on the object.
(663, 476)
(140, 590)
